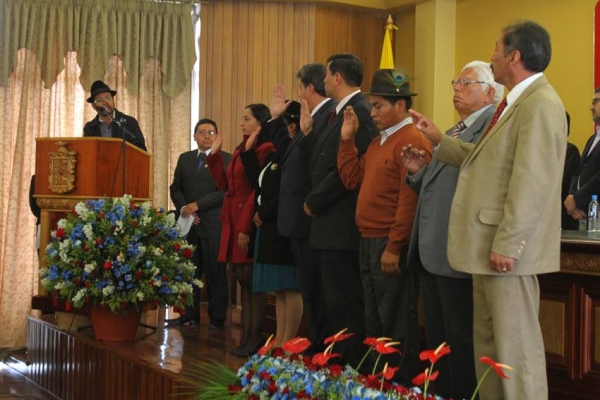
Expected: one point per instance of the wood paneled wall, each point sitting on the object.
(246, 48)
(350, 31)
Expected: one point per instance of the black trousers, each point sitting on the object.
(311, 285)
(391, 307)
(344, 301)
(449, 318)
(215, 273)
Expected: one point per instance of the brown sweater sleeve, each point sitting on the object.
(350, 166)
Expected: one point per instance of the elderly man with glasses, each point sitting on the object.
(110, 122)
(448, 294)
(196, 195)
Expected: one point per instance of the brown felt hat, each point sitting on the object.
(391, 82)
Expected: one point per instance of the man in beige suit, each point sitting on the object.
(505, 219)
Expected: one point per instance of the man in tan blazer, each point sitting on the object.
(505, 219)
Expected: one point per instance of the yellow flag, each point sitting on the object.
(387, 56)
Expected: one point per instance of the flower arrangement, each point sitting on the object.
(119, 255)
(285, 374)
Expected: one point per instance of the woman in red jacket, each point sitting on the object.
(236, 219)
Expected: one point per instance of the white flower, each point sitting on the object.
(62, 223)
(82, 210)
(108, 290)
(79, 296)
(119, 226)
(140, 296)
(145, 220)
(88, 231)
(89, 268)
(157, 251)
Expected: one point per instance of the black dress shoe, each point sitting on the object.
(173, 322)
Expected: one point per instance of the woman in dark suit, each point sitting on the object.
(274, 269)
(236, 219)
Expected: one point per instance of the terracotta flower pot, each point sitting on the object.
(111, 327)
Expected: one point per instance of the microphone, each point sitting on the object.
(123, 121)
(103, 110)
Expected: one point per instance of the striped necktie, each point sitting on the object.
(458, 128)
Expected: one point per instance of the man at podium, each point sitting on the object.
(110, 122)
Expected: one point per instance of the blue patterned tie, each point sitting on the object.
(201, 159)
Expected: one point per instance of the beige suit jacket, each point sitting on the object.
(508, 193)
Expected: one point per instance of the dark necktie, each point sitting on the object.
(456, 131)
(496, 116)
(201, 160)
(331, 116)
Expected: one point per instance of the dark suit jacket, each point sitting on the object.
(589, 176)
(93, 128)
(190, 184)
(272, 247)
(436, 190)
(334, 227)
(295, 185)
(572, 162)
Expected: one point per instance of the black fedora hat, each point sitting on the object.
(293, 110)
(99, 87)
(391, 82)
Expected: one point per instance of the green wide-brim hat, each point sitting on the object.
(390, 82)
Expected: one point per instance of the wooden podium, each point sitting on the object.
(70, 170)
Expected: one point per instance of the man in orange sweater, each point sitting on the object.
(384, 214)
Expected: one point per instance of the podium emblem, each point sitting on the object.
(61, 175)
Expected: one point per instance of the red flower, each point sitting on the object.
(187, 252)
(87, 284)
(388, 372)
(234, 388)
(424, 376)
(176, 309)
(165, 278)
(272, 388)
(99, 241)
(75, 263)
(107, 265)
(373, 341)
(296, 345)
(77, 281)
(101, 215)
(497, 366)
(134, 222)
(434, 355)
(277, 352)
(183, 311)
(139, 275)
(68, 306)
(338, 337)
(154, 232)
(176, 246)
(386, 348)
(336, 370)
(323, 358)
(267, 347)
(265, 376)
(60, 233)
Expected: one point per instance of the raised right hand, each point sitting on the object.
(251, 142)
(216, 146)
(426, 127)
(306, 120)
(278, 103)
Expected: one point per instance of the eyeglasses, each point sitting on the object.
(204, 133)
(466, 82)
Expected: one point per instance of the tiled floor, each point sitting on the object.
(13, 386)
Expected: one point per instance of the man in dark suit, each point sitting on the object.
(333, 232)
(292, 221)
(572, 162)
(448, 294)
(195, 194)
(110, 122)
(504, 225)
(587, 182)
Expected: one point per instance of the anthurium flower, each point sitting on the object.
(296, 345)
(425, 377)
(372, 341)
(434, 355)
(497, 366)
(388, 372)
(338, 337)
(323, 358)
(266, 349)
(386, 348)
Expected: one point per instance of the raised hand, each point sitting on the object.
(427, 128)
(217, 144)
(413, 159)
(278, 103)
(350, 124)
(306, 120)
(251, 142)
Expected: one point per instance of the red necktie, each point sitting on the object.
(458, 129)
(496, 116)
(331, 116)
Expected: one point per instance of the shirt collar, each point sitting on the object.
(321, 104)
(473, 116)
(344, 101)
(386, 133)
(520, 88)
